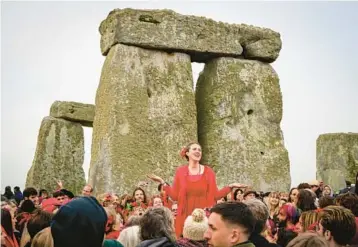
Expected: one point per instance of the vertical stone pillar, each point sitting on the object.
(337, 158)
(239, 110)
(145, 112)
(59, 156)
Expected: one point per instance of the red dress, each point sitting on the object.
(193, 191)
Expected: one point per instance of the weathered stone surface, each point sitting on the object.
(200, 37)
(337, 157)
(59, 156)
(239, 105)
(73, 111)
(145, 112)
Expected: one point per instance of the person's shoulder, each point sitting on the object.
(182, 168)
(208, 169)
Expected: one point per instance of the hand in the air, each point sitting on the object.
(238, 185)
(155, 178)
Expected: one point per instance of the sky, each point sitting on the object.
(51, 51)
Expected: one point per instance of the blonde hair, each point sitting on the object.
(129, 237)
(111, 213)
(308, 218)
(277, 208)
(43, 238)
(25, 237)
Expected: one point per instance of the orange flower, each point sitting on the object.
(183, 152)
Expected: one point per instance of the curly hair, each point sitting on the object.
(157, 223)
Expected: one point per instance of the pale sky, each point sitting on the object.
(51, 51)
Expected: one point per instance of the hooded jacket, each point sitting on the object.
(79, 223)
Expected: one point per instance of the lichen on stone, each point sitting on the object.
(239, 110)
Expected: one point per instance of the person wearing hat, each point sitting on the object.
(315, 184)
(79, 223)
(195, 226)
(251, 194)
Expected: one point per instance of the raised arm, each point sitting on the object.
(171, 191)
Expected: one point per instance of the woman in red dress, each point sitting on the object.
(194, 186)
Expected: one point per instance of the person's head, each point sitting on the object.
(250, 195)
(222, 200)
(239, 195)
(59, 195)
(8, 189)
(195, 225)
(274, 199)
(39, 220)
(139, 195)
(337, 225)
(350, 201)
(308, 221)
(157, 223)
(192, 151)
(327, 191)
(260, 213)
(303, 186)
(308, 240)
(292, 196)
(17, 189)
(230, 223)
(348, 184)
(314, 184)
(306, 200)
(288, 213)
(129, 236)
(31, 194)
(79, 223)
(325, 201)
(133, 220)
(174, 209)
(43, 239)
(87, 190)
(106, 199)
(157, 201)
(27, 206)
(43, 193)
(68, 194)
(8, 221)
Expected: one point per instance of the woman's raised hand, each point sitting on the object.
(155, 178)
(238, 185)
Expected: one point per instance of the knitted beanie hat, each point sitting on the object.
(195, 225)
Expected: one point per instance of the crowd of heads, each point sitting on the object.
(310, 214)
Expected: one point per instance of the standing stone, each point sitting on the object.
(59, 156)
(145, 112)
(337, 158)
(239, 105)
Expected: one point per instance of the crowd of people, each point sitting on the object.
(190, 212)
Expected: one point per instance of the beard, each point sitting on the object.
(282, 224)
